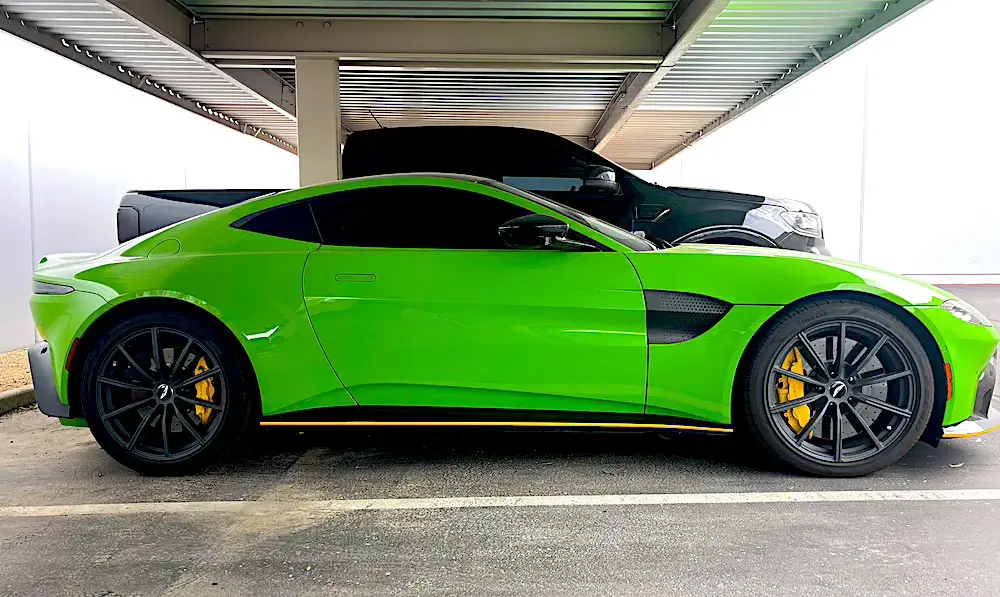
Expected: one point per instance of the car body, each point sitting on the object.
(557, 168)
(392, 299)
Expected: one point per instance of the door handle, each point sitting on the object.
(355, 277)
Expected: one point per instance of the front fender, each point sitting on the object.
(759, 276)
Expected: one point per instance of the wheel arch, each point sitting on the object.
(932, 433)
(137, 306)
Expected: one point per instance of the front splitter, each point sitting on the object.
(975, 426)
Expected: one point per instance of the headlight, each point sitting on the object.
(46, 288)
(966, 312)
(805, 223)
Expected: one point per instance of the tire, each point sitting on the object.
(889, 391)
(188, 407)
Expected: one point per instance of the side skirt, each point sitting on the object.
(472, 417)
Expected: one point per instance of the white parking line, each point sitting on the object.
(320, 508)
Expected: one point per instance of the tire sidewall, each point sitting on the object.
(802, 318)
(236, 416)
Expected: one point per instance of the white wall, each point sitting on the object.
(922, 163)
(73, 141)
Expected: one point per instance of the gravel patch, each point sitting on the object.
(14, 372)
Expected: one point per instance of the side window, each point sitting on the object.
(544, 164)
(293, 221)
(413, 217)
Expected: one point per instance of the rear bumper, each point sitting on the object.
(44, 379)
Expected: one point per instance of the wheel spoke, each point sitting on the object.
(135, 365)
(140, 429)
(812, 424)
(120, 411)
(188, 427)
(201, 376)
(179, 361)
(818, 363)
(859, 420)
(123, 384)
(198, 402)
(783, 406)
(157, 358)
(869, 354)
(881, 405)
(870, 381)
(797, 376)
(163, 427)
(841, 349)
(838, 433)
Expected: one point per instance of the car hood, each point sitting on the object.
(759, 276)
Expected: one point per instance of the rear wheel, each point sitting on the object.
(164, 394)
(839, 388)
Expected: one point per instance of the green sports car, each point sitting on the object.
(451, 300)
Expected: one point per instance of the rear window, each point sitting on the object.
(293, 221)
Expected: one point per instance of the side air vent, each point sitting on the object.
(673, 317)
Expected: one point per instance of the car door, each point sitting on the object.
(418, 303)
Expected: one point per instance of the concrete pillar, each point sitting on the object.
(317, 107)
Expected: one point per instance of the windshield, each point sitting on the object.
(611, 231)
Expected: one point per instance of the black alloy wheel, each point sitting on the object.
(153, 396)
(865, 382)
(163, 395)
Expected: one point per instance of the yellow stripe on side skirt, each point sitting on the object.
(663, 426)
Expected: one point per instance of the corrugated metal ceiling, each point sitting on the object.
(565, 103)
(750, 46)
(494, 9)
(117, 37)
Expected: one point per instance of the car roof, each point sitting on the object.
(406, 175)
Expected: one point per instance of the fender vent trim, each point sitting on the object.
(674, 317)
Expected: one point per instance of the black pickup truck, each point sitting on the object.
(539, 162)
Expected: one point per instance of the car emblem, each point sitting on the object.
(838, 390)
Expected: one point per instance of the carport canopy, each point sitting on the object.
(638, 81)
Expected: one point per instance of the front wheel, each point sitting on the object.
(839, 388)
(163, 393)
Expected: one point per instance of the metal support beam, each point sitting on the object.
(163, 16)
(430, 40)
(695, 17)
(269, 86)
(891, 12)
(451, 65)
(318, 98)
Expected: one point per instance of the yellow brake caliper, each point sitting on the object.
(792, 389)
(205, 390)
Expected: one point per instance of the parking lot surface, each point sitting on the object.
(363, 512)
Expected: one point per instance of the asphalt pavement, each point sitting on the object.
(430, 512)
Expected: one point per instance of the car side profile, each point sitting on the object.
(427, 299)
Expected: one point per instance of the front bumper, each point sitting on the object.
(794, 241)
(985, 416)
(44, 380)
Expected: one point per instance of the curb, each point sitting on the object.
(15, 399)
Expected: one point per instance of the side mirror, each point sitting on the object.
(537, 231)
(601, 179)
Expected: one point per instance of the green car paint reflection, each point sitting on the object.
(520, 330)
